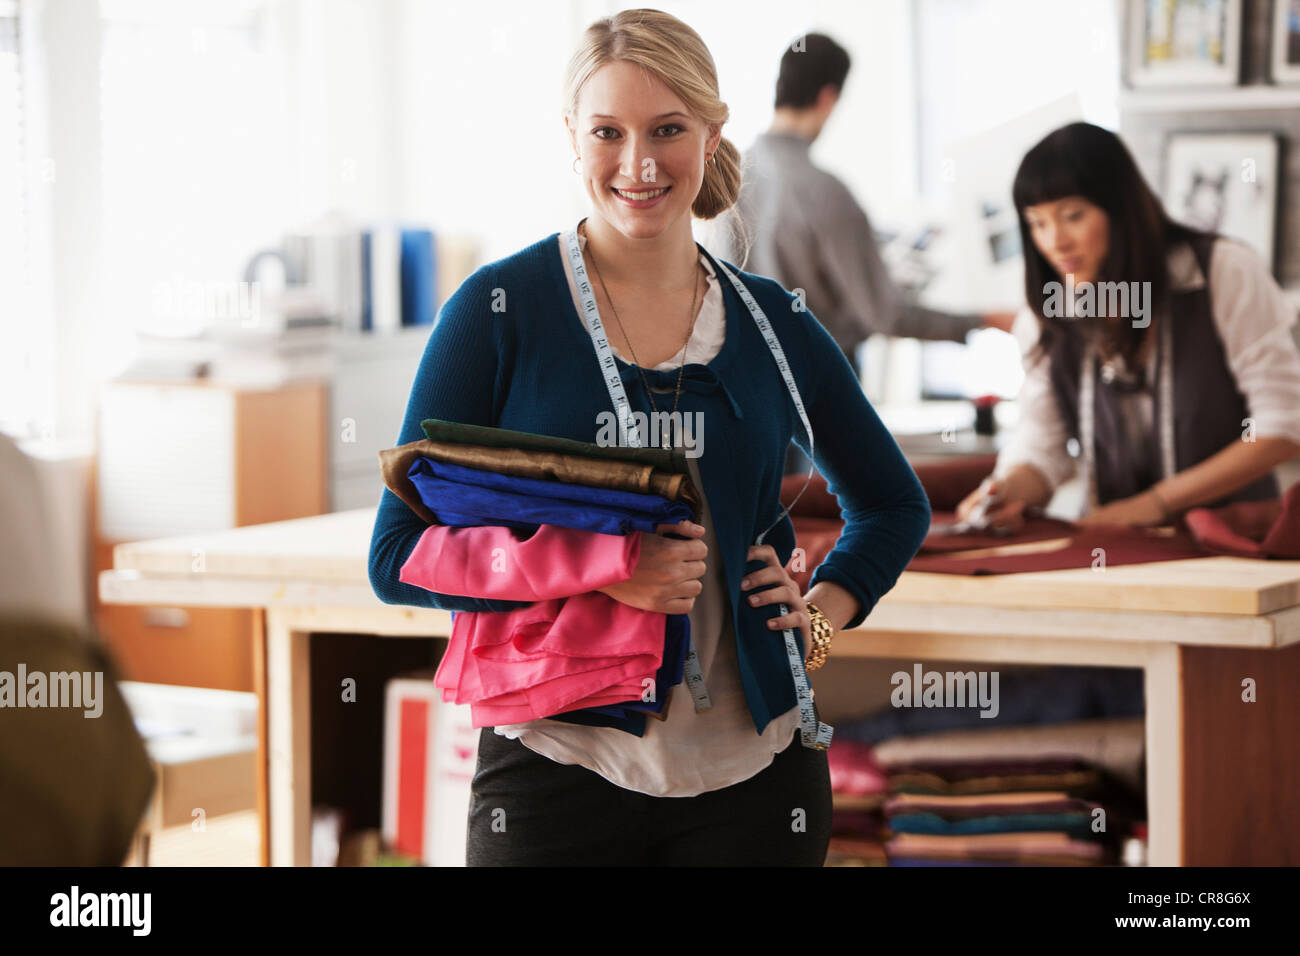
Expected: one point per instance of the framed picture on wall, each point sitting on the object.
(1225, 183)
(1184, 42)
(1286, 41)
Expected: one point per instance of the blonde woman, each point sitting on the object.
(736, 773)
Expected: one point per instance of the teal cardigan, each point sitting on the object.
(509, 350)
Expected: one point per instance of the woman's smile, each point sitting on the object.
(640, 199)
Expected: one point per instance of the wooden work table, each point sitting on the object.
(1222, 774)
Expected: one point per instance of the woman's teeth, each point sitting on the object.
(651, 194)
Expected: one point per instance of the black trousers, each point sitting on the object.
(528, 810)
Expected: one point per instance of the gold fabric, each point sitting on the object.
(550, 466)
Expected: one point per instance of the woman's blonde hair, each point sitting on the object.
(670, 50)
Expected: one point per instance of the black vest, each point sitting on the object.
(1208, 406)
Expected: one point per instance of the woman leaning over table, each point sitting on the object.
(745, 780)
(1195, 389)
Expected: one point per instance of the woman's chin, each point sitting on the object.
(641, 223)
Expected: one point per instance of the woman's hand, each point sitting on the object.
(668, 571)
(786, 591)
(1008, 514)
(1141, 510)
(1020, 488)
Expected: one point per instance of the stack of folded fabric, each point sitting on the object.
(1056, 794)
(1027, 811)
(545, 523)
(1021, 786)
(859, 786)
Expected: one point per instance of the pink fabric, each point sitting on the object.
(491, 562)
(855, 770)
(573, 648)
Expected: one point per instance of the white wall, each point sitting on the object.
(479, 92)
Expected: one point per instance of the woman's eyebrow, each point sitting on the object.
(659, 117)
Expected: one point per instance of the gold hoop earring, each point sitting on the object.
(576, 160)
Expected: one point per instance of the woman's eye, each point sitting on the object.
(597, 131)
(1074, 215)
(673, 126)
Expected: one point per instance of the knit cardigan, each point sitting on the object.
(509, 350)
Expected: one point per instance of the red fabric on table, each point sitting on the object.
(1250, 529)
(1120, 546)
(1035, 529)
(818, 521)
(945, 482)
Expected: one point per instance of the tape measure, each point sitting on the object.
(813, 733)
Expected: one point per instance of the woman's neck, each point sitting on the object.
(667, 261)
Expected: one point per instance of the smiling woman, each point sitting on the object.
(624, 310)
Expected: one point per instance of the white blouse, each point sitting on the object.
(1253, 320)
(688, 753)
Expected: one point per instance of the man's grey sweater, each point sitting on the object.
(806, 231)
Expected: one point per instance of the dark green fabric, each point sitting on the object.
(667, 459)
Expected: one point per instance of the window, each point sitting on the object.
(195, 133)
(25, 356)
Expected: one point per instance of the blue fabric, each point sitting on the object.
(465, 497)
(531, 367)
(1075, 823)
(1055, 695)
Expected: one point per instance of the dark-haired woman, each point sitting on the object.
(1164, 352)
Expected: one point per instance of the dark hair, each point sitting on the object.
(810, 63)
(1081, 159)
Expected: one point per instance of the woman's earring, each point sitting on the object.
(576, 160)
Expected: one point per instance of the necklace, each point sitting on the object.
(677, 394)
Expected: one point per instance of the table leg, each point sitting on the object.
(1164, 756)
(289, 739)
(263, 744)
(1242, 774)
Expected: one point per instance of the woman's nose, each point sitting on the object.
(636, 163)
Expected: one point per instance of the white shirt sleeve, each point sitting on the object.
(1041, 434)
(1254, 320)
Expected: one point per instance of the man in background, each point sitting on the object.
(802, 226)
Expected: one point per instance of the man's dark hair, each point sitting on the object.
(809, 63)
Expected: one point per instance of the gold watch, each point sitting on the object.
(822, 632)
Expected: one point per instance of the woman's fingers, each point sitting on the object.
(688, 528)
(792, 620)
(975, 497)
(782, 594)
(767, 575)
(1008, 517)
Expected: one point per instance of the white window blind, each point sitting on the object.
(195, 155)
(24, 352)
